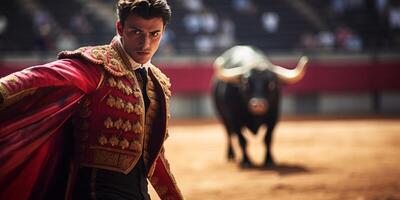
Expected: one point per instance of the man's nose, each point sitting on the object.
(145, 41)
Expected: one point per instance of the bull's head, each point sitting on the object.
(256, 75)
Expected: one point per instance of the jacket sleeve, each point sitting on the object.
(66, 72)
(31, 127)
(163, 181)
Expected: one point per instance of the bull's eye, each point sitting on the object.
(271, 85)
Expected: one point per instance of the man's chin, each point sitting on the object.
(141, 59)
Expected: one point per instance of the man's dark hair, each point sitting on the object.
(144, 8)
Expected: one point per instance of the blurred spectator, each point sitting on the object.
(342, 34)
(394, 17)
(326, 40)
(192, 22)
(244, 6)
(341, 6)
(209, 21)
(206, 22)
(3, 24)
(354, 4)
(204, 44)
(354, 43)
(270, 21)
(193, 5)
(80, 25)
(226, 36)
(338, 6)
(347, 39)
(394, 23)
(66, 41)
(381, 6)
(227, 26)
(44, 31)
(308, 41)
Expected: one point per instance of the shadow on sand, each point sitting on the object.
(283, 169)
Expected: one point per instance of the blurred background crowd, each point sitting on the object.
(207, 27)
(353, 46)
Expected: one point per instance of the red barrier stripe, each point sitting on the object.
(321, 76)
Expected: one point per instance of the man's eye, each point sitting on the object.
(137, 32)
(156, 34)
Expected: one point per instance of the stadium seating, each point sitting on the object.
(294, 21)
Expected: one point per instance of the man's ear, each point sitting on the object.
(119, 27)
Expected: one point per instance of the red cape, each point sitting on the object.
(32, 131)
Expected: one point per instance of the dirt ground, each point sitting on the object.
(356, 159)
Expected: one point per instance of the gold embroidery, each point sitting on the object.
(137, 93)
(137, 128)
(112, 82)
(121, 124)
(124, 143)
(108, 123)
(127, 126)
(10, 99)
(128, 91)
(118, 123)
(120, 85)
(100, 53)
(138, 109)
(105, 158)
(135, 146)
(119, 103)
(129, 107)
(114, 140)
(103, 140)
(10, 79)
(105, 55)
(125, 161)
(163, 79)
(111, 101)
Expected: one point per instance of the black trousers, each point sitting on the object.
(103, 184)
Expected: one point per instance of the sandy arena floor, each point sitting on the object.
(356, 159)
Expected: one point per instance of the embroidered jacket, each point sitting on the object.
(111, 130)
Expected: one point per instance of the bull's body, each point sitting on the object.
(247, 98)
(231, 102)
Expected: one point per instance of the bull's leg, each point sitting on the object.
(245, 163)
(231, 153)
(268, 161)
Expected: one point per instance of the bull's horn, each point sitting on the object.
(291, 75)
(228, 75)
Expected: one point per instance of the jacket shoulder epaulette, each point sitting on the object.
(104, 55)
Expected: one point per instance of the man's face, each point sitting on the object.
(141, 37)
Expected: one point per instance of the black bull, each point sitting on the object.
(246, 93)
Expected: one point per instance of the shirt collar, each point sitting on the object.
(133, 63)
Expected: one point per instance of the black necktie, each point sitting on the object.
(143, 79)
